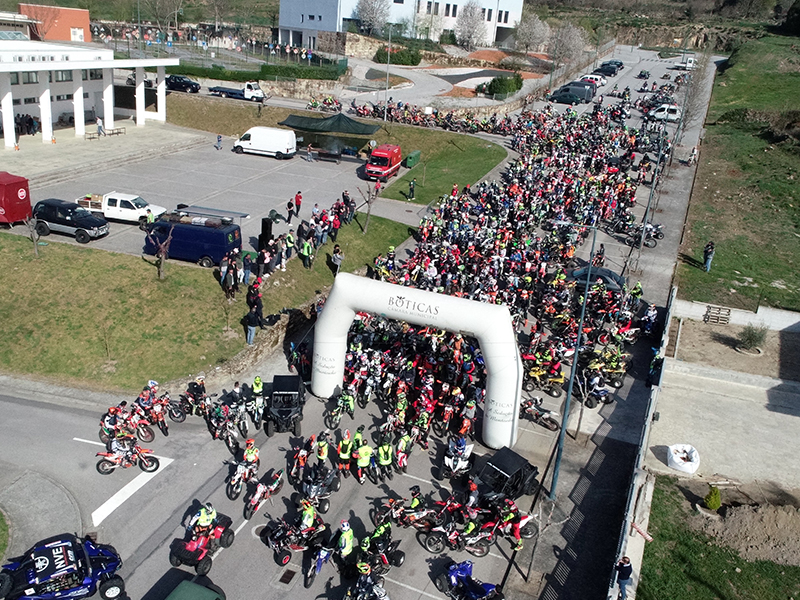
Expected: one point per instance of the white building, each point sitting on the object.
(47, 80)
(302, 20)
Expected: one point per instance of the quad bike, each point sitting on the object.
(197, 550)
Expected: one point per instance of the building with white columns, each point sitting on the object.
(48, 80)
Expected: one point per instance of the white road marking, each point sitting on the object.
(113, 503)
(497, 556)
(408, 587)
(240, 527)
(89, 442)
(428, 481)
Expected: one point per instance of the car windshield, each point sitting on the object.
(82, 213)
(139, 202)
(379, 161)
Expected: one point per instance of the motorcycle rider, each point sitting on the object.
(203, 521)
(322, 449)
(308, 517)
(346, 541)
(404, 444)
(416, 502)
(345, 450)
(649, 319)
(363, 458)
(509, 513)
(111, 420)
(385, 454)
(251, 459)
(218, 418)
(197, 388)
(358, 437)
(145, 399)
(122, 446)
(348, 397)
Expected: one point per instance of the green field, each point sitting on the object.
(447, 158)
(746, 196)
(682, 563)
(91, 317)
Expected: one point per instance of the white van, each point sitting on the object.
(269, 141)
(597, 79)
(666, 112)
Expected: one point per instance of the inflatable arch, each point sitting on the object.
(489, 323)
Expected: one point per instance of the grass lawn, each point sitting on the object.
(91, 317)
(746, 197)
(681, 563)
(447, 157)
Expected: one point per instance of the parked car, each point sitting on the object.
(63, 566)
(204, 240)
(565, 98)
(131, 80)
(505, 473)
(284, 410)
(250, 91)
(614, 63)
(598, 80)
(61, 216)
(180, 83)
(666, 112)
(607, 70)
(611, 280)
(384, 162)
(190, 590)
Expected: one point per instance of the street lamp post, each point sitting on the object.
(574, 370)
(388, 62)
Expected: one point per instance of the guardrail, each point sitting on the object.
(631, 524)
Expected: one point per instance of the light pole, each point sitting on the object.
(388, 61)
(574, 370)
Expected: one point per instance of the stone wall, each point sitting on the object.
(301, 88)
(332, 42)
(359, 46)
(698, 37)
(446, 60)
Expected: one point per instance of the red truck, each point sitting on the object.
(384, 162)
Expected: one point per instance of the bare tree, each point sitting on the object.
(373, 14)
(428, 24)
(695, 101)
(567, 43)
(220, 8)
(471, 26)
(162, 252)
(46, 17)
(33, 234)
(531, 32)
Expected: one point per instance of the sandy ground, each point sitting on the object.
(715, 346)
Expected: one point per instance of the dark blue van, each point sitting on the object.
(196, 239)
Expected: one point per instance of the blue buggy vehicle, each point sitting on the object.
(458, 584)
(63, 566)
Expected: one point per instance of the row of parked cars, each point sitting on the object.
(584, 89)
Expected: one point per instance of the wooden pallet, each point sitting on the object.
(717, 315)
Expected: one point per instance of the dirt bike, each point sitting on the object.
(155, 415)
(324, 555)
(242, 475)
(533, 408)
(448, 537)
(423, 519)
(199, 407)
(138, 455)
(263, 493)
(298, 465)
(285, 538)
(227, 432)
(441, 425)
(254, 406)
(334, 417)
(141, 425)
(239, 417)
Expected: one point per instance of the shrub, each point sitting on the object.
(712, 501)
(266, 72)
(752, 337)
(399, 57)
(448, 37)
(505, 85)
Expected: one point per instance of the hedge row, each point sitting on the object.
(266, 72)
(400, 57)
(505, 85)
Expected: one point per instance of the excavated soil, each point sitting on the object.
(761, 532)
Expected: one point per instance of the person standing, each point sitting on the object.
(289, 244)
(218, 145)
(346, 207)
(335, 225)
(252, 321)
(305, 252)
(377, 188)
(100, 130)
(708, 256)
(247, 266)
(290, 211)
(337, 259)
(624, 572)
(298, 202)
(411, 185)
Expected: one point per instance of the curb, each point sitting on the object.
(757, 381)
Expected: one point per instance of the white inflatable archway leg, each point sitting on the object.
(490, 324)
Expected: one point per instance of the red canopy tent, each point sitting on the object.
(15, 202)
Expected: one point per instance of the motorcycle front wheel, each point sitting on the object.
(232, 444)
(650, 242)
(145, 433)
(232, 490)
(162, 425)
(176, 413)
(149, 464)
(311, 575)
(479, 548)
(243, 427)
(434, 542)
(105, 467)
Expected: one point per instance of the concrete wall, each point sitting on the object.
(772, 318)
(58, 22)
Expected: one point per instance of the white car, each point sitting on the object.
(598, 80)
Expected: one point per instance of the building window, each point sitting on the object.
(86, 95)
(489, 15)
(14, 78)
(311, 17)
(16, 102)
(302, 18)
(430, 7)
(455, 11)
(63, 75)
(398, 1)
(95, 74)
(62, 97)
(446, 10)
(436, 8)
(76, 34)
(30, 77)
(31, 100)
(319, 17)
(505, 19)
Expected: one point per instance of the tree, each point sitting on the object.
(567, 44)
(162, 252)
(471, 26)
(531, 32)
(373, 14)
(791, 25)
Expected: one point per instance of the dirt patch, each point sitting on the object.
(529, 75)
(489, 55)
(715, 346)
(760, 533)
(460, 92)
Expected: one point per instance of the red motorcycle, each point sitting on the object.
(395, 509)
(264, 492)
(141, 425)
(197, 550)
(285, 538)
(155, 415)
(112, 461)
(442, 425)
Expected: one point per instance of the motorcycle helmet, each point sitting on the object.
(345, 525)
(363, 567)
(346, 435)
(257, 380)
(360, 429)
(456, 391)
(415, 491)
(112, 410)
(153, 385)
(470, 403)
(209, 507)
(305, 503)
(472, 486)
(201, 379)
(121, 435)
(363, 442)
(365, 543)
(250, 442)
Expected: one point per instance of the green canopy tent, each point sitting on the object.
(338, 123)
